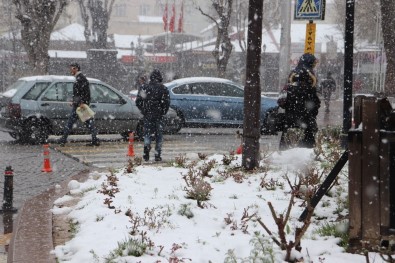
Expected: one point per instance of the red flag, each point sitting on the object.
(165, 18)
(181, 19)
(172, 18)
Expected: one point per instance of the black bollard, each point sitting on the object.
(8, 191)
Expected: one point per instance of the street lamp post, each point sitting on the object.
(348, 68)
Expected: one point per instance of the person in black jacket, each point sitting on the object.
(153, 101)
(328, 86)
(302, 102)
(81, 95)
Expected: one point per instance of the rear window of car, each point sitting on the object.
(36, 91)
(11, 90)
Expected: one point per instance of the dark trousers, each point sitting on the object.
(309, 127)
(327, 100)
(153, 128)
(90, 124)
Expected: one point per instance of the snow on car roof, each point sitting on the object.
(52, 78)
(200, 79)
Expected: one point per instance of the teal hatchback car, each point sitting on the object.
(211, 102)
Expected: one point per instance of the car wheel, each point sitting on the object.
(269, 126)
(15, 135)
(180, 122)
(177, 125)
(35, 132)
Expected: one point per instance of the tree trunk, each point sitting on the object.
(99, 14)
(252, 90)
(388, 24)
(38, 21)
(36, 46)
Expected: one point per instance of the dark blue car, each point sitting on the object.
(210, 102)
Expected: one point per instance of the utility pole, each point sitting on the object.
(252, 90)
(348, 66)
(285, 43)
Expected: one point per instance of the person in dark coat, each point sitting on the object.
(328, 86)
(81, 95)
(153, 101)
(302, 102)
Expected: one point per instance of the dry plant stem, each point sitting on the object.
(269, 232)
(306, 223)
(290, 204)
(388, 254)
(280, 225)
(247, 217)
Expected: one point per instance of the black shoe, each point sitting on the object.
(93, 144)
(61, 143)
(146, 153)
(158, 158)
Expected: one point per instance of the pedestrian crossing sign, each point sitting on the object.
(310, 9)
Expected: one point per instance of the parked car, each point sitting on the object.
(204, 101)
(271, 94)
(35, 107)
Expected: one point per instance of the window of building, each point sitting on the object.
(144, 10)
(120, 10)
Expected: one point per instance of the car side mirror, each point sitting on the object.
(122, 101)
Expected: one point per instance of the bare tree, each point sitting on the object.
(367, 17)
(223, 46)
(374, 19)
(96, 16)
(38, 19)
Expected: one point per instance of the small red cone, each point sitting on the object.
(131, 144)
(239, 150)
(47, 165)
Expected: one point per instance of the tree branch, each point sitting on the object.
(205, 14)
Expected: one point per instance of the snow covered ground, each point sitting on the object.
(146, 212)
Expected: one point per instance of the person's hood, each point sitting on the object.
(156, 76)
(307, 60)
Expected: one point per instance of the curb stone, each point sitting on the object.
(32, 239)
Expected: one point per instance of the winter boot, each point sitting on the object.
(146, 153)
(158, 158)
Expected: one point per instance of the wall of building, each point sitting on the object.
(126, 16)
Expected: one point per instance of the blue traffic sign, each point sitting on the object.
(310, 9)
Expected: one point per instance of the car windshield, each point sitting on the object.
(11, 90)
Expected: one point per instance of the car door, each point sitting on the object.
(182, 100)
(113, 112)
(231, 100)
(209, 104)
(54, 104)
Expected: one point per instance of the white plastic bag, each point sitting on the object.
(84, 112)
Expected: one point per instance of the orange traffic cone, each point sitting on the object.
(47, 164)
(131, 144)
